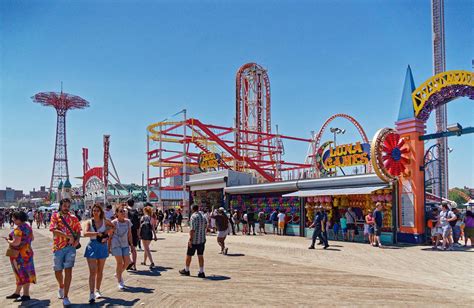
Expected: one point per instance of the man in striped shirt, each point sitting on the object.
(197, 241)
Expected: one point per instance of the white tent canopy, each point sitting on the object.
(335, 191)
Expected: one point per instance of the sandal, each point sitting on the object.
(143, 263)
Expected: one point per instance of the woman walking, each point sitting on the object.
(120, 244)
(469, 228)
(98, 230)
(147, 234)
(21, 256)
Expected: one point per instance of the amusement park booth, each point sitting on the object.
(207, 188)
(298, 199)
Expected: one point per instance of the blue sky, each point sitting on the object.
(137, 62)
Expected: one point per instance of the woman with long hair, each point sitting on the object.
(147, 234)
(21, 256)
(120, 244)
(98, 229)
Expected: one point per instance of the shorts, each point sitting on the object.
(378, 230)
(96, 250)
(281, 224)
(344, 230)
(64, 258)
(120, 251)
(366, 229)
(371, 230)
(222, 233)
(275, 224)
(335, 228)
(196, 247)
(469, 232)
(351, 226)
(261, 224)
(446, 230)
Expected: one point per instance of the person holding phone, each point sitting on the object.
(66, 231)
(98, 229)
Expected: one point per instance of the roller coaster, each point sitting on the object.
(176, 146)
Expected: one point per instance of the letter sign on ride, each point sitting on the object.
(346, 155)
(208, 161)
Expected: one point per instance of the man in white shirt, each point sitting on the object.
(281, 223)
(445, 217)
(31, 217)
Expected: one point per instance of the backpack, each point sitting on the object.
(146, 228)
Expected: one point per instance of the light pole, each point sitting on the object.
(336, 131)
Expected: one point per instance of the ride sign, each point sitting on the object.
(346, 155)
(209, 161)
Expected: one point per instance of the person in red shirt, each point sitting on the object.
(64, 247)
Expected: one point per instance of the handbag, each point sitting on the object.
(12, 252)
(74, 235)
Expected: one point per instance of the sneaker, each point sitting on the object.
(326, 247)
(13, 296)
(184, 272)
(61, 293)
(121, 286)
(98, 294)
(66, 301)
(311, 247)
(202, 275)
(91, 298)
(23, 298)
(226, 250)
(152, 266)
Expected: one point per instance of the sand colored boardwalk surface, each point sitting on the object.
(265, 271)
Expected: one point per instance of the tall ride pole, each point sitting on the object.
(184, 159)
(439, 66)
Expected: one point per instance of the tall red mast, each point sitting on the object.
(62, 102)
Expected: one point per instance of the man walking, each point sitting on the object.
(197, 241)
(319, 225)
(66, 231)
(222, 224)
(378, 218)
(445, 217)
(134, 218)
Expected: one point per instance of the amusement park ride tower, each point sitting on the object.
(439, 66)
(62, 102)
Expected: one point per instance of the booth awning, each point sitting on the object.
(216, 182)
(336, 191)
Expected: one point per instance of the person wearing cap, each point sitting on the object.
(222, 225)
(319, 225)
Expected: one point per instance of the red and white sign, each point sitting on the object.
(170, 172)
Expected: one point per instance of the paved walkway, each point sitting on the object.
(266, 271)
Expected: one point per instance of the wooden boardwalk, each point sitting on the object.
(263, 271)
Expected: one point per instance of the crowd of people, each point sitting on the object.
(122, 230)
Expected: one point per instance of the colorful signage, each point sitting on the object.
(170, 172)
(345, 155)
(209, 161)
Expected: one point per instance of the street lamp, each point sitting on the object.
(336, 131)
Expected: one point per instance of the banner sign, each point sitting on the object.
(346, 155)
(170, 172)
(209, 161)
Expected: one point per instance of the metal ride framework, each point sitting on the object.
(197, 137)
(62, 102)
(95, 181)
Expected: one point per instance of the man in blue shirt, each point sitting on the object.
(319, 224)
(378, 223)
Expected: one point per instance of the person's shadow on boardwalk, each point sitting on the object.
(156, 271)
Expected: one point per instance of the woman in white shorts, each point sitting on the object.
(120, 244)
